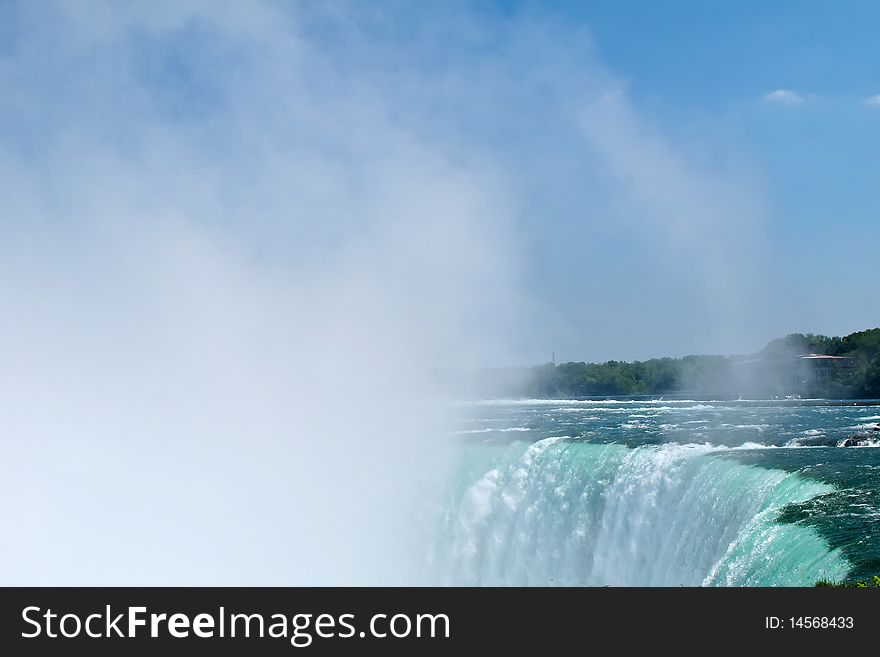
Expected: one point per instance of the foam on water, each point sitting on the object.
(580, 402)
(867, 426)
(505, 430)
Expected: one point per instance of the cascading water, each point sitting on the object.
(570, 512)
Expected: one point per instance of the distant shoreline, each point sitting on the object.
(798, 366)
(677, 398)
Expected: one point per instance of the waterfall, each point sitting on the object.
(570, 512)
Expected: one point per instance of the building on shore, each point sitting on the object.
(798, 374)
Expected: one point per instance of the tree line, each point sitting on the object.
(777, 369)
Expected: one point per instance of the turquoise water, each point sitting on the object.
(665, 493)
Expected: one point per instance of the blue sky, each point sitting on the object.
(669, 178)
(786, 91)
(721, 53)
(713, 62)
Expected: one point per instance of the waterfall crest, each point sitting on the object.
(569, 512)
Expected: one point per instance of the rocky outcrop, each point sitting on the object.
(861, 440)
